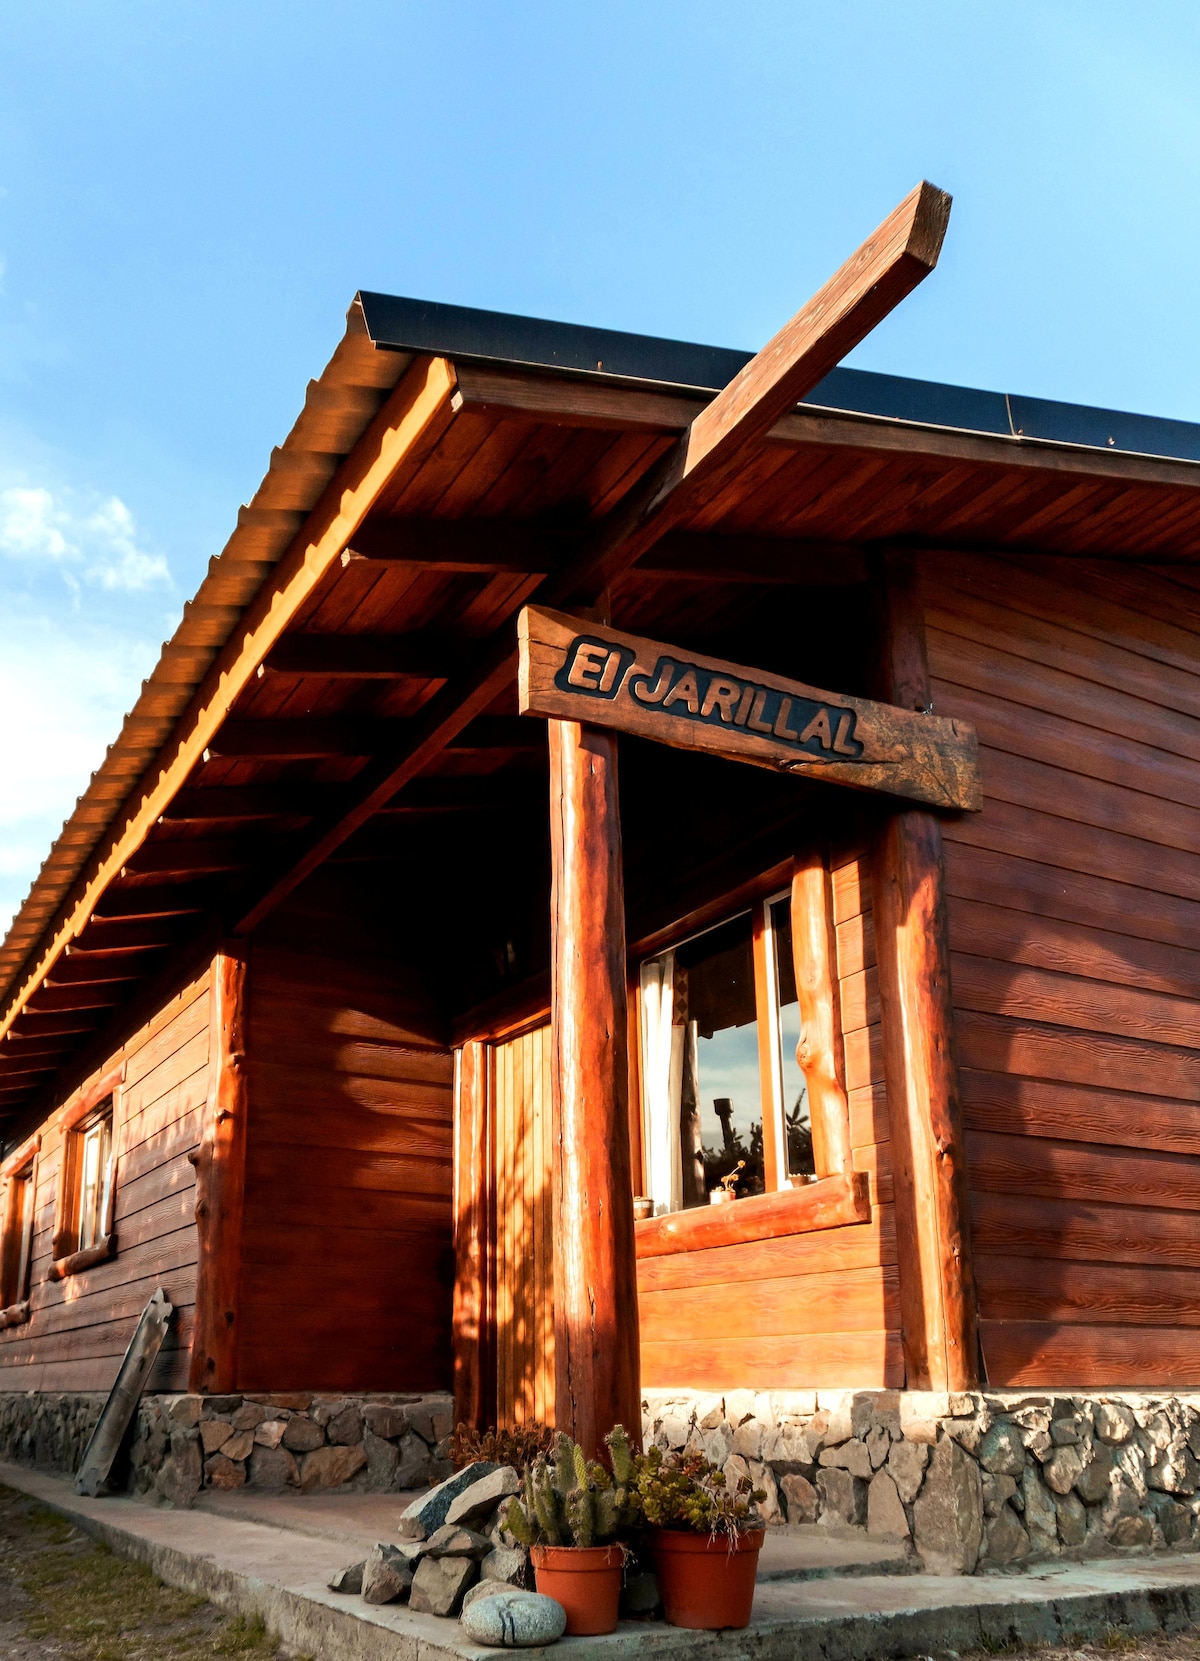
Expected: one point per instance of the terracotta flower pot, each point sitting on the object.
(706, 1581)
(586, 1580)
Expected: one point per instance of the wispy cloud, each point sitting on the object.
(95, 542)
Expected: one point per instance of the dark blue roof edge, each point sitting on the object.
(466, 332)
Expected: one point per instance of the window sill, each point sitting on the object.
(830, 1203)
(77, 1262)
(15, 1315)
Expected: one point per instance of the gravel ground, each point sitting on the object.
(1176, 1646)
(63, 1597)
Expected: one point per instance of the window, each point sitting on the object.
(724, 1098)
(95, 1179)
(17, 1254)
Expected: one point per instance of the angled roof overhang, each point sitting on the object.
(458, 453)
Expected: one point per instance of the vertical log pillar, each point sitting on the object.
(597, 1379)
(819, 1052)
(474, 1358)
(937, 1284)
(220, 1166)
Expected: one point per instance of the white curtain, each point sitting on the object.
(662, 1079)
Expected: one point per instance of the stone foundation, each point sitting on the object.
(180, 1444)
(969, 1481)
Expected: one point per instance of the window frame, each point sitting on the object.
(16, 1249)
(96, 1101)
(835, 1195)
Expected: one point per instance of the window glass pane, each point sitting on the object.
(95, 1162)
(23, 1219)
(797, 1125)
(720, 1092)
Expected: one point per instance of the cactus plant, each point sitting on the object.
(568, 1500)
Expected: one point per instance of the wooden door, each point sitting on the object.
(522, 1221)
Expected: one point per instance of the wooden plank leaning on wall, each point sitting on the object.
(220, 1164)
(937, 1285)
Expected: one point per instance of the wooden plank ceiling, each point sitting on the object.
(464, 532)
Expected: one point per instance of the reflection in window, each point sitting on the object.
(797, 1125)
(95, 1178)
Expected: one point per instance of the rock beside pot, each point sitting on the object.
(515, 1620)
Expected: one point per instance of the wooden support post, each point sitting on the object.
(597, 1380)
(819, 1052)
(220, 1165)
(474, 1357)
(937, 1284)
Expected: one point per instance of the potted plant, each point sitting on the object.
(706, 1538)
(574, 1517)
(726, 1189)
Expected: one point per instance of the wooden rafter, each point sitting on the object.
(365, 657)
(872, 282)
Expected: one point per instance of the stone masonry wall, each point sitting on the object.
(966, 1481)
(180, 1444)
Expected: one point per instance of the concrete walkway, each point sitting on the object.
(257, 1562)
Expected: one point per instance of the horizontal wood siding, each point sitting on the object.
(79, 1327)
(1075, 930)
(804, 1310)
(347, 1271)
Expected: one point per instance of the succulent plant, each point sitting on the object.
(569, 1500)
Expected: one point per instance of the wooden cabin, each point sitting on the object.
(402, 1032)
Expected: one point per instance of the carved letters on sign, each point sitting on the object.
(578, 671)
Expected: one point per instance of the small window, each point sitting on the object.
(94, 1155)
(724, 1098)
(18, 1237)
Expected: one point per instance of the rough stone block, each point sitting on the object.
(640, 1598)
(1114, 1422)
(453, 1540)
(507, 1565)
(879, 1445)
(1006, 1541)
(428, 1512)
(1063, 1469)
(801, 1499)
(302, 1435)
(272, 1468)
(383, 1461)
(1173, 1518)
(250, 1415)
(948, 1513)
(215, 1406)
(239, 1445)
(178, 1482)
(439, 1583)
(717, 1445)
(331, 1466)
(1132, 1531)
(997, 1490)
(345, 1429)
(843, 1498)
(886, 1519)
(214, 1433)
(1072, 1519)
(907, 1462)
(414, 1468)
(222, 1472)
(269, 1434)
(1064, 1432)
(748, 1439)
(1041, 1518)
(294, 1401)
(920, 1413)
(386, 1574)
(385, 1421)
(349, 1579)
(474, 1505)
(1094, 1481)
(850, 1456)
(186, 1410)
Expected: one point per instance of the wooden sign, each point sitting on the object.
(572, 670)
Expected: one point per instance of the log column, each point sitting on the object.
(937, 1284)
(220, 1164)
(597, 1380)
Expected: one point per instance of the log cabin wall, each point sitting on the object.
(79, 1326)
(1074, 913)
(346, 1269)
(806, 1310)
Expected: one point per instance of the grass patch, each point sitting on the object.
(83, 1603)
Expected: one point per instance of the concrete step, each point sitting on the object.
(279, 1574)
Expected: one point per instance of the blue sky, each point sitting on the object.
(191, 193)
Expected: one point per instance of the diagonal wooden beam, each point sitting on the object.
(872, 282)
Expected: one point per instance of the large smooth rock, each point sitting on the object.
(428, 1512)
(302, 1435)
(476, 1503)
(948, 1513)
(515, 1620)
(439, 1584)
(484, 1589)
(387, 1575)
